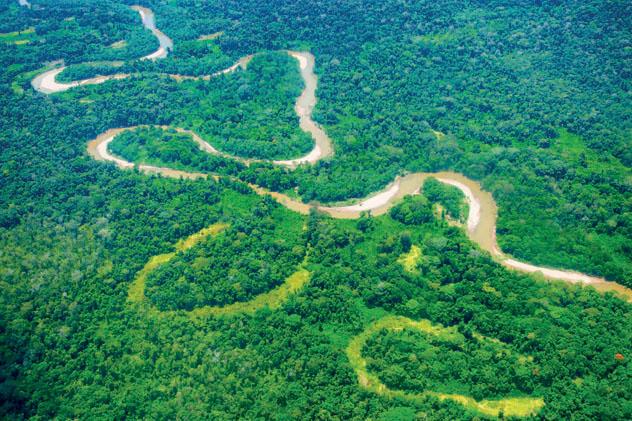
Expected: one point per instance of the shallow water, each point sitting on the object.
(149, 21)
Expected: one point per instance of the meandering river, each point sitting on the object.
(149, 21)
(481, 222)
(47, 82)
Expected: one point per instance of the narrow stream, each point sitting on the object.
(46, 82)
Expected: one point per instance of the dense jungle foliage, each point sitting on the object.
(415, 361)
(251, 115)
(529, 97)
(253, 256)
(449, 197)
(168, 148)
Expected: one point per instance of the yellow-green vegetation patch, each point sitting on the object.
(136, 291)
(409, 260)
(209, 37)
(118, 44)
(18, 37)
(439, 135)
(272, 299)
(29, 30)
(513, 406)
(442, 38)
(441, 213)
(490, 289)
(192, 240)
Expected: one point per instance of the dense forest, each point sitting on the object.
(478, 368)
(253, 256)
(448, 197)
(530, 98)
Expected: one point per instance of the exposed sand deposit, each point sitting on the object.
(46, 82)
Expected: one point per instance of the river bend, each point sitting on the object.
(481, 221)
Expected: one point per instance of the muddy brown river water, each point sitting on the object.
(481, 222)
